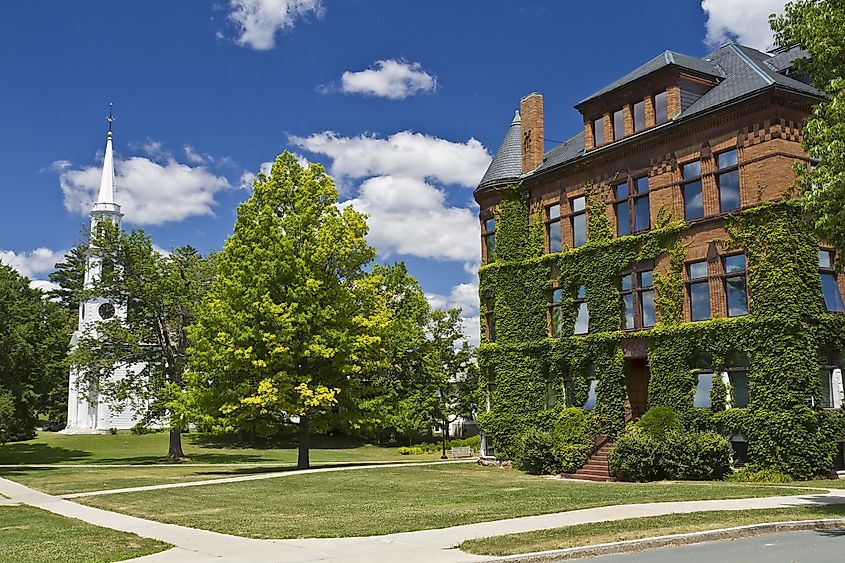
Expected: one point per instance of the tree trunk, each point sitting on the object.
(304, 437)
(175, 449)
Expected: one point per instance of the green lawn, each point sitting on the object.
(386, 500)
(638, 528)
(824, 483)
(65, 480)
(52, 447)
(33, 535)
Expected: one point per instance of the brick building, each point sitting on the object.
(654, 258)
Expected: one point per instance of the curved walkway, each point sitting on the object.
(195, 546)
(257, 477)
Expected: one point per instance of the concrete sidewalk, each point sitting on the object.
(195, 546)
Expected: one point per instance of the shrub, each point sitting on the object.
(659, 421)
(636, 456)
(752, 474)
(113, 431)
(640, 456)
(141, 429)
(693, 456)
(404, 450)
(571, 427)
(473, 442)
(536, 453)
(572, 457)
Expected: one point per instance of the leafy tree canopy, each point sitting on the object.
(34, 337)
(818, 27)
(146, 349)
(294, 321)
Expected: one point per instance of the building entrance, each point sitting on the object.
(636, 386)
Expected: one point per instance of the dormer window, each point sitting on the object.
(661, 108)
(598, 131)
(619, 124)
(639, 116)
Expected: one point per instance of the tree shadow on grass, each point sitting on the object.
(267, 468)
(35, 453)
(282, 441)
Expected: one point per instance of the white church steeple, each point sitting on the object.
(105, 206)
(86, 412)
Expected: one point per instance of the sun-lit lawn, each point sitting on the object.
(31, 535)
(638, 528)
(386, 500)
(64, 480)
(67, 455)
(52, 447)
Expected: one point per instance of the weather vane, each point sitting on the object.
(110, 119)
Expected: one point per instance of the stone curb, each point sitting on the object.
(673, 540)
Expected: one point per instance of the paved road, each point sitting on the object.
(789, 547)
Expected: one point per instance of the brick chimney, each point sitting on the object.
(533, 146)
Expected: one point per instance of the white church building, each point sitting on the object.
(86, 412)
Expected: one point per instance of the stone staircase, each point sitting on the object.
(596, 468)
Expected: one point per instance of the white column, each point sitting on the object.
(727, 381)
(72, 400)
(838, 390)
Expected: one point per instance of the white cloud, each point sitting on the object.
(149, 192)
(30, 264)
(44, 285)
(746, 21)
(409, 216)
(465, 297)
(39, 261)
(247, 178)
(193, 156)
(389, 78)
(258, 21)
(407, 154)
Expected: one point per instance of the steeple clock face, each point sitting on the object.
(106, 311)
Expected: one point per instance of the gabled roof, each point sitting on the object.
(665, 59)
(506, 166)
(743, 72)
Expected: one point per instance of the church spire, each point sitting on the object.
(106, 194)
(105, 204)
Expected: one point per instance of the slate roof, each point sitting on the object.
(662, 60)
(784, 60)
(743, 71)
(506, 166)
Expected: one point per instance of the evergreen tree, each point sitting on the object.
(69, 275)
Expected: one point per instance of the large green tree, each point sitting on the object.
(34, 337)
(148, 347)
(818, 27)
(293, 320)
(396, 397)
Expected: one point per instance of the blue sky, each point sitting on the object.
(403, 102)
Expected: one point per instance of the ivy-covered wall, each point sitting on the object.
(782, 336)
